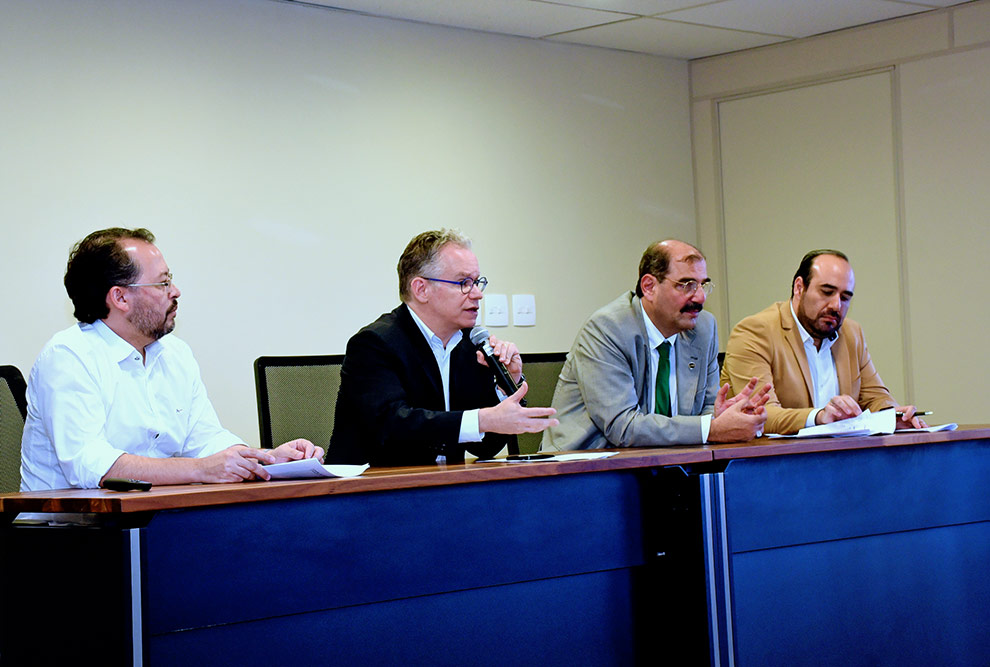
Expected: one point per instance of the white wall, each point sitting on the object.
(890, 121)
(825, 152)
(285, 154)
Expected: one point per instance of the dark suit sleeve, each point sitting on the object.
(388, 413)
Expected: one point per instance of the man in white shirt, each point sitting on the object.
(413, 389)
(816, 358)
(643, 370)
(114, 396)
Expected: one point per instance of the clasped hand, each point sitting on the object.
(749, 402)
(741, 417)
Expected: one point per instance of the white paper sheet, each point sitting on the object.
(866, 423)
(312, 468)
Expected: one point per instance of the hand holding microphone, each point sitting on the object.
(511, 415)
(496, 359)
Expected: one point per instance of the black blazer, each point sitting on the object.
(390, 409)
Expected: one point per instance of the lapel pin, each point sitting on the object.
(691, 365)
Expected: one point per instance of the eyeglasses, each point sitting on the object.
(167, 283)
(466, 284)
(689, 287)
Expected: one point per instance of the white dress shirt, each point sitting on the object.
(469, 418)
(92, 399)
(824, 380)
(656, 338)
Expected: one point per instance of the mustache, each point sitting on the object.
(692, 308)
(173, 307)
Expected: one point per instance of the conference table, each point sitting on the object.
(863, 550)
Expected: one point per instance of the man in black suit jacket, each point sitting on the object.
(413, 390)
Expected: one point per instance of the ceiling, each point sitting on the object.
(683, 29)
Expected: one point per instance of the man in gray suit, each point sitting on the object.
(643, 371)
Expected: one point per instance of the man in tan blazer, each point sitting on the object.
(815, 358)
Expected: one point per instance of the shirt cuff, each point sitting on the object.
(469, 427)
(706, 425)
(810, 421)
(95, 467)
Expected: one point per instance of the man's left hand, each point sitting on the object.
(300, 448)
(508, 354)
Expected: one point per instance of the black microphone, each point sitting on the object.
(479, 338)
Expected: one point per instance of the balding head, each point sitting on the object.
(658, 257)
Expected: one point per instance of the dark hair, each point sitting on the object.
(804, 268)
(420, 255)
(656, 262)
(96, 264)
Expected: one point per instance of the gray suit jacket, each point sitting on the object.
(601, 396)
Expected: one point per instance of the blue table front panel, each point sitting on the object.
(863, 557)
(263, 560)
(582, 620)
(911, 598)
(784, 500)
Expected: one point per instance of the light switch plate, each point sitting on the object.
(496, 310)
(523, 310)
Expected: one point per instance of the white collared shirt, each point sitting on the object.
(655, 339)
(91, 398)
(469, 419)
(824, 380)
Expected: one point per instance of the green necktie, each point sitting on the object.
(663, 380)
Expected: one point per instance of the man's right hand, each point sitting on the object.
(511, 418)
(740, 418)
(235, 464)
(838, 408)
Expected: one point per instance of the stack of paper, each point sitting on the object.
(307, 468)
(867, 423)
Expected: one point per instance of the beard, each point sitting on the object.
(816, 330)
(150, 323)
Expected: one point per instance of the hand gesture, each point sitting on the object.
(510, 417)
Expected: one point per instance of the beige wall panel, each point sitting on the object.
(809, 168)
(848, 50)
(971, 24)
(946, 139)
(285, 154)
(706, 186)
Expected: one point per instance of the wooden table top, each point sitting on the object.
(387, 479)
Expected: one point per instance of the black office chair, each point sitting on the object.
(296, 397)
(13, 412)
(542, 371)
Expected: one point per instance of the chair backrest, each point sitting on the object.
(13, 411)
(542, 372)
(296, 397)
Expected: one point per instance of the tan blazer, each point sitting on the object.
(768, 345)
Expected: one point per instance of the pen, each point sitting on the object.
(920, 413)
